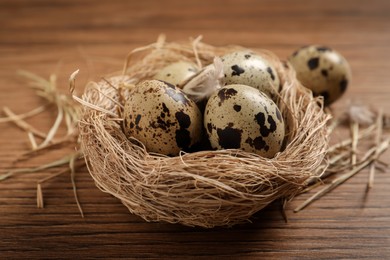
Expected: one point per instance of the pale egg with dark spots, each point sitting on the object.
(162, 117)
(251, 69)
(323, 70)
(242, 117)
(177, 73)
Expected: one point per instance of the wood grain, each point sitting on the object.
(47, 37)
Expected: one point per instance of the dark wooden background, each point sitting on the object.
(60, 36)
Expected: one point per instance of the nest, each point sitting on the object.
(204, 188)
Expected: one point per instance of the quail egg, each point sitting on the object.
(322, 70)
(242, 117)
(162, 117)
(177, 73)
(251, 69)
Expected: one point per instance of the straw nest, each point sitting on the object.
(204, 188)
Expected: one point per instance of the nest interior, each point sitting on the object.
(205, 188)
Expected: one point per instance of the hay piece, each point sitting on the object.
(206, 188)
(370, 157)
(378, 136)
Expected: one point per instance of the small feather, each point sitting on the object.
(207, 81)
(361, 114)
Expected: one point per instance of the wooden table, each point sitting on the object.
(58, 37)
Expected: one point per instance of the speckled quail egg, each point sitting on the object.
(242, 117)
(322, 70)
(251, 69)
(177, 73)
(162, 117)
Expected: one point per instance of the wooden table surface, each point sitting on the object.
(58, 37)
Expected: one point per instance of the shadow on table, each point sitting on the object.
(245, 239)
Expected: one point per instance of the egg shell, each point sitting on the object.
(322, 70)
(242, 117)
(177, 73)
(162, 117)
(251, 69)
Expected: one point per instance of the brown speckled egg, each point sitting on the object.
(251, 69)
(322, 70)
(242, 117)
(177, 73)
(162, 117)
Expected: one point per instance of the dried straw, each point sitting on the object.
(206, 188)
(67, 114)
